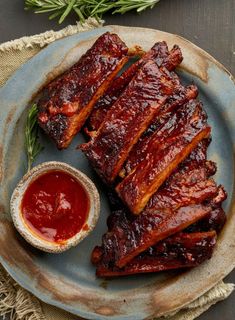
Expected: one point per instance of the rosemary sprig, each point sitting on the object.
(32, 145)
(87, 8)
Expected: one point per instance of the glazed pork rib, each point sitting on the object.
(196, 159)
(183, 188)
(126, 230)
(190, 183)
(165, 151)
(179, 251)
(216, 219)
(127, 119)
(180, 96)
(68, 100)
(122, 245)
(159, 53)
(129, 237)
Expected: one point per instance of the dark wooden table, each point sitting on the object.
(208, 23)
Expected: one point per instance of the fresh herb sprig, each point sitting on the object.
(32, 145)
(86, 8)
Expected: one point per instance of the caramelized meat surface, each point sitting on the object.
(122, 245)
(128, 235)
(149, 143)
(188, 184)
(165, 151)
(127, 119)
(159, 53)
(183, 188)
(179, 251)
(180, 96)
(126, 230)
(216, 219)
(69, 99)
(191, 175)
(121, 221)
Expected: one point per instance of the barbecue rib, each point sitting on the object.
(189, 184)
(159, 53)
(68, 100)
(166, 149)
(180, 96)
(179, 251)
(148, 229)
(216, 219)
(128, 233)
(127, 119)
(184, 188)
(191, 175)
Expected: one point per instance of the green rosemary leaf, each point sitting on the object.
(79, 13)
(67, 11)
(55, 14)
(32, 145)
(87, 8)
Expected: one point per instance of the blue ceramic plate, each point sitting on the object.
(68, 280)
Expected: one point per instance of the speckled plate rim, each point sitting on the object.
(147, 301)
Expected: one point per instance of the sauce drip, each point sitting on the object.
(55, 206)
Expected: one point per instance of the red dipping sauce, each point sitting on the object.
(55, 206)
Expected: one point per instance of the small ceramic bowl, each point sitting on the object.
(35, 239)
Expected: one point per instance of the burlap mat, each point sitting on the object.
(14, 300)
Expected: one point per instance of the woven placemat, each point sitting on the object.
(16, 301)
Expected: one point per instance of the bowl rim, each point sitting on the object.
(32, 237)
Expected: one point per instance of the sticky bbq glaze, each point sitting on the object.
(55, 206)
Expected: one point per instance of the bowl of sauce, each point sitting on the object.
(55, 206)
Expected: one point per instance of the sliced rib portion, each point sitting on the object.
(166, 149)
(127, 119)
(129, 234)
(148, 229)
(68, 100)
(159, 53)
(180, 96)
(216, 219)
(183, 188)
(179, 251)
(190, 182)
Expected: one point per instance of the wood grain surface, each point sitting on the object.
(210, 24)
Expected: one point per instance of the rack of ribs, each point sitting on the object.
(166, 149)
(68, 100)
(129, 235)
(159, 53)
(127, 119)
(148, 142)
(184, 250)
